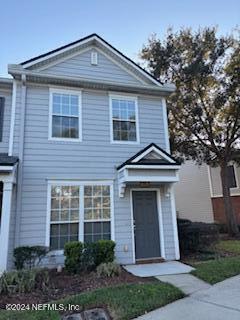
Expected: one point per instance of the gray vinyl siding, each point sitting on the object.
(95, 158)
(7, 94)
(105, 70)
(168, 230)
(192, 193)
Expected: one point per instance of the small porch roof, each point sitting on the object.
(7, 163)
(151, 164)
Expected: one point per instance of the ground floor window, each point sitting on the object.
(79, 212)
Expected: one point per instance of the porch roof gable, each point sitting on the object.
(151, 155)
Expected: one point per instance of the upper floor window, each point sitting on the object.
(124, 119)
(65, 114)
(231, 177)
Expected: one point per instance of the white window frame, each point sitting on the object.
(81, 220)
(126, 98)
(65, 91)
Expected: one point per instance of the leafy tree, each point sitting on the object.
(204, 111)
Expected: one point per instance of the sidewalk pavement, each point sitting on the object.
(218, 302)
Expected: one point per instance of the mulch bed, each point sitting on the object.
(63, 284)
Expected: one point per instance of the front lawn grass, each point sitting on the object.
(123, 302)
(217, 270)
(228, 246)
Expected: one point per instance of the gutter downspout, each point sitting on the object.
(20, 163)
(13, 112)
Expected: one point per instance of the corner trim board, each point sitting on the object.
(13, 113)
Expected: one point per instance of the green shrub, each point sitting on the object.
(24, 281)
(104, 251)
(86, 257)
(73, 256)
(196, 236)
(28, 257)
(110, 269)
(88, 260)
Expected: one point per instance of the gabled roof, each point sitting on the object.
(96, 38)
(141, 158)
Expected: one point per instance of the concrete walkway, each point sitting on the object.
(186, 282)
(219, 302)
(157, 269)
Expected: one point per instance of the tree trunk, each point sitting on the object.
(228, 207)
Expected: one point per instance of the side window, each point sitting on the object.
(2, 102)
(65, 115)
(231, 177)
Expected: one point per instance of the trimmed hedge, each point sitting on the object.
(73, 256)
(28, 256)
(104, 251)
(87, 256)
(196, 236)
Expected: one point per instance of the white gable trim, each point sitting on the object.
(50, 55)
(153, 148)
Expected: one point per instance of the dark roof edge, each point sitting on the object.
(128, 162)
(83, 39)
(57, 49)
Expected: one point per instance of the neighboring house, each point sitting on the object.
(85, 155)
(199, 193)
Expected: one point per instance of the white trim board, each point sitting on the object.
(13, 113)
(165, 124)
(174, 224)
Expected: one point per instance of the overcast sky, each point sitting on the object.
(32, 27)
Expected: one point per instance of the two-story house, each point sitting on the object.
(85, 155)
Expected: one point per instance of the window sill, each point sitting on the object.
(124, 142)
(54, 253)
